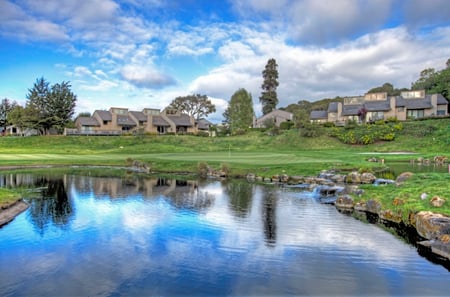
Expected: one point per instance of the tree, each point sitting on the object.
(197, 106)
(5, 108)
(49, 107)
(268, 98)
(239, 113)
(434, 82)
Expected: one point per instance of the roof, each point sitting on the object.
(203, 124)
(104, 115)
(333, 107)
(383, 105)
(124, 120)
(318, 114)
(348, 110)
(139, 115)
(87, 121)
(441, 99)
(421, 103)
(181, 120)
(159, 121)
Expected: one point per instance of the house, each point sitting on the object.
(117, 120)
(277, 116)
(379, 106)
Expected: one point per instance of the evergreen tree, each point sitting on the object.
(49, 107)
(268, 98)
(239, 113)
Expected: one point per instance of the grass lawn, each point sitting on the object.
(254, 152)
(8, 196)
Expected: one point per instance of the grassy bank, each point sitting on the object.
(8, 196)
(255, 152)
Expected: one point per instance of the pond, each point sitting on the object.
(142, 236)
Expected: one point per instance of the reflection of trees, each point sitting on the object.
(53, 206)
(186, 194)
(240, 196)
(269, 216)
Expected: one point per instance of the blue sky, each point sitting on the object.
(137, 54)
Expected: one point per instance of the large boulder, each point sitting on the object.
(353, 177)
(373, 206)
(402, 177)
(368, 178)
(344, 202)
(431, 225)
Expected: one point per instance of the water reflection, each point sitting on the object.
(53, 205)
(160, 236)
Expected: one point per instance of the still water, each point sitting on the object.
(93, 236)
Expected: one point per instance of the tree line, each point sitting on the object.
(52, 107)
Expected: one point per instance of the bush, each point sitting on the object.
(286, 125)
(202, 169)
(311, 130)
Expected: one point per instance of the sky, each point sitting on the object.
(144, 53)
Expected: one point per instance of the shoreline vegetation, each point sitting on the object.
(256, 152)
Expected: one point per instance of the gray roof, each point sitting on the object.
(383, 105)
(181, 120)
(159, 121)
(348, 110)
(124, 120)
(333, 107)
(139, 115)
(104, 115)
(318, 114)
(441, 99)
(203, 124)
(421, 103)
(88, 121)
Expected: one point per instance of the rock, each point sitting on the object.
(267, 180)
(275, 178)
(430, 225)
(368, 178)
(402, 177)
(390, 215)
(296, 179)
(361, 206)
(338, 178)
(437, 201)
(344, 202)
(284, 178)
(373, 206)
(353, 177)
(259, 179)
(251, 177)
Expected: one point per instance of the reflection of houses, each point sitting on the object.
(379, 106)
(116, 121)
(276, 116)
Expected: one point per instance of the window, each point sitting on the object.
(401, 109)
(441, 112)
(375, 115)
(161, 129)
(415, 113)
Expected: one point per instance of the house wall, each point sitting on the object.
(109, 126)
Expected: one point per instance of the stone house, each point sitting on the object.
(277, 116)
(117, 120)
(380, 106)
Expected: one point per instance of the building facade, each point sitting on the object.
(117, 121)
(379, 106)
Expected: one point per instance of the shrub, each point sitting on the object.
(202, 169)
(286, 125)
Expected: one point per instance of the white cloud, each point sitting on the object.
(145, 76)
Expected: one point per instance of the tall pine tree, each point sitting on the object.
(268, 98)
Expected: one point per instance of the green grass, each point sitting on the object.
(254, 152)
(8, 196)
(409, 194)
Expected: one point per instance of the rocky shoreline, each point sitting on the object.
(433, 229)
(10, 211)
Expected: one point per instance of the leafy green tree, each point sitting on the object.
(239, 113)
(5, 108)
(49, 107)
(198, 106)
(268, 98)
(434, 82)
(388, 88)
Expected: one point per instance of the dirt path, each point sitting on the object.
(8, 214)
